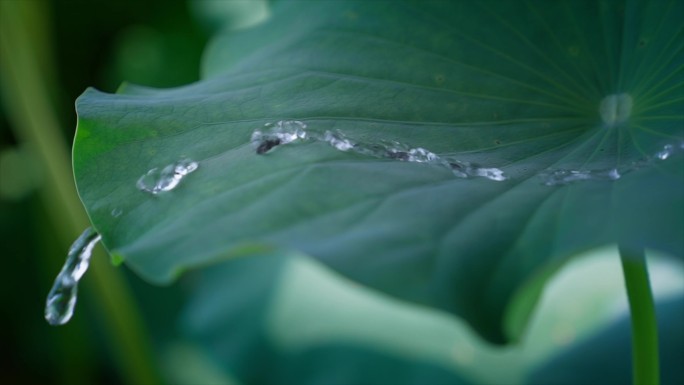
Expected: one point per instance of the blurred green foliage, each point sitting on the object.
(74, 44)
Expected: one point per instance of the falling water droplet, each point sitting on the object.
(276, 134)
(166, 179)
(61, 299)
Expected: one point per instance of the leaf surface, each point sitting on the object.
(535, 89)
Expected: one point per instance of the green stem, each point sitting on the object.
(645, 362)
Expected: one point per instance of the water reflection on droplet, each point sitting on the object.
(158, 180)
(61, 299)
(338, 141)
(276, 134)
(467, 170)
(666, 152)
(421, 155)
(490, 173)
(614, 109)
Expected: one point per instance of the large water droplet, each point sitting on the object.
(166, 179)
(61, 299)
(276, 134)
(616, 108)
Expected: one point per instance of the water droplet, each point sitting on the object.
(666, 152)
(469, 170)
(338, 141)
(563, 177)
(116, 212)
(276, 134)
(421, 155)
(398, 151)
(616, 109)
(166, 179)
(61, 299)
(490, 173)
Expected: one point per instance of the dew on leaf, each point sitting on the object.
(666, 152)
(468, 170)
(288, 131)
(158, 180)
(338, 141)
(563, 177)
(276, 134)
(557, 177)
(402, 152)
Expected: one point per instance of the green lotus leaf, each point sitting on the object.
(486, 143)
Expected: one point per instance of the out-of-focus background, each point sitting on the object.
(52, 51)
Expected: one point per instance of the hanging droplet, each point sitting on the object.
(166, 179)
(61, 299)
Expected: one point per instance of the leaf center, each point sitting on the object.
(615, 109)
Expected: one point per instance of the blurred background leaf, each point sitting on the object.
(51, 51)
(605, 357)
